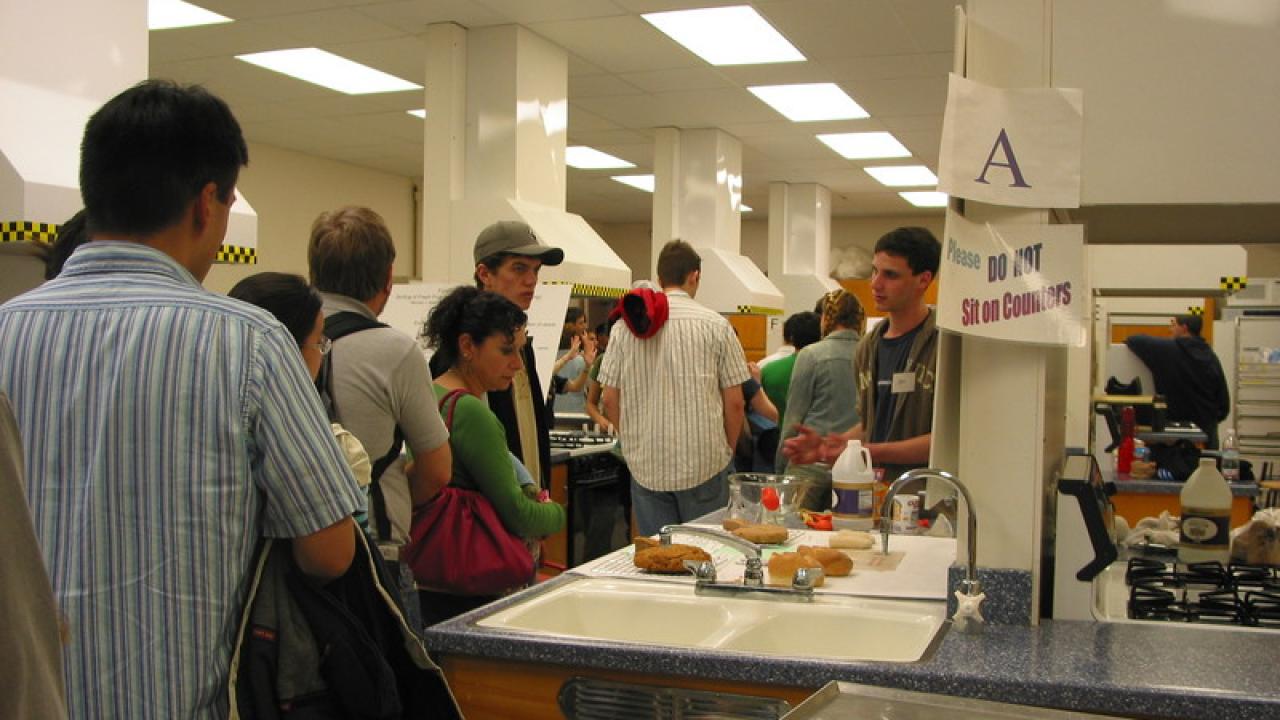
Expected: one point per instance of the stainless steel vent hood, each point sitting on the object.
(732, 283)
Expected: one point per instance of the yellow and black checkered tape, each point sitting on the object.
(1196, 310)
(595, 291)
(1233, 283)
(758, 310)
(234, 254)
(23, 231)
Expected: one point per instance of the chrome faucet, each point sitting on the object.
(967, 617)
(802, 584)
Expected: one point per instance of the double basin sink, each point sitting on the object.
(671, 614)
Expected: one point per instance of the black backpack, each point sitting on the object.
(340, 325)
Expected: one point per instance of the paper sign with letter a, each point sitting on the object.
(1012, 147)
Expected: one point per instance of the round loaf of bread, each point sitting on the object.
(834, 562)
(783, 566)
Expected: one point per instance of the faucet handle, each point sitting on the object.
(806, 578)
(701, 569)
(753, 574)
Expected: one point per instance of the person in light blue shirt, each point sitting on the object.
(167, 429)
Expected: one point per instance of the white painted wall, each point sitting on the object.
(1180, 98)
(289, 189)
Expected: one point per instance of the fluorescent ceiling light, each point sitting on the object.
(420, 112)
(586, 158)
(864, 145)
(743, 208)
(903, 175)
(810, 102)
(166, 14)
(735, 35)
(925, 198)
(328, 70)
(642, 182)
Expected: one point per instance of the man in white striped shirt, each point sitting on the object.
(675, 396)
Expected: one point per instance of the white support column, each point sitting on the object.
(697, 189)
(444, 147)
(799, 247)
(1006, 435)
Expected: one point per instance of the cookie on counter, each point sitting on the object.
(762, 534)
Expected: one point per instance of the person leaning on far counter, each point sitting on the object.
(895, 363)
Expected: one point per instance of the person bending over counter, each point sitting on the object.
(1188, 374)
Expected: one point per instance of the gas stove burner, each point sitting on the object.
(1262, 608)
(1203, 593)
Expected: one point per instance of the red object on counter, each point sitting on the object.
(769, 499)
(1124, 454)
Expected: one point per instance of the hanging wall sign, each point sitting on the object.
(1022, 283)
(1012, 147)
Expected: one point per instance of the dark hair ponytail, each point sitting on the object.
(469, 311)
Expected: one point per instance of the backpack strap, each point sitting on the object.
(336, 326)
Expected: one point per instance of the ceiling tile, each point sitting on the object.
(585, 86)
(852, 72)
(414, 16)
(525, 12)
(583, 119)
(600, 138)
(617, 44)
(327, 27)
(748, 130)
(904, 96)
(404, 56)
(839, 28)
(691, 78)
(246, 9)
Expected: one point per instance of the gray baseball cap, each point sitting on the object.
(516, 238)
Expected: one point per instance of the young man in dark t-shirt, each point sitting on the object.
(895, 362)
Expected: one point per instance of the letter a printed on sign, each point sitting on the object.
(1018, 147)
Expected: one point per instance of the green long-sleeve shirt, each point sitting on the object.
(481, 462)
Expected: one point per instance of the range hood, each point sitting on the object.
(40, 167)
(590, 265)
(731, 283)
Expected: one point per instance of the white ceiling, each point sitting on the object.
(625, 78)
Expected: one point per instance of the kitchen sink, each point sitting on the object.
(664, 613)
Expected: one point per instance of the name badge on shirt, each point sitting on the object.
(904, 382)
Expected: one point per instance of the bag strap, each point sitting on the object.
(451, 399)
(337, 326)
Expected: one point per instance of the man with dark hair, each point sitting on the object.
(508, 255)
(799, 331)
(375, 375)
(895, 362)
(1188, 374)
(675, 395)
(166, 429)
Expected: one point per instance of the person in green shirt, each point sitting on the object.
(479, 337)
(800, 330)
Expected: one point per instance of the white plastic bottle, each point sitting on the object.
(853, 485)
(1230, 457)
(1205, 529)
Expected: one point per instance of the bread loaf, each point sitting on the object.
(783, 566)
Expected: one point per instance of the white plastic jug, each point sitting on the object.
(853, 483)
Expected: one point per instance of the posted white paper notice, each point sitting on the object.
(410, 304)
(1018, 147)
(1021, 283)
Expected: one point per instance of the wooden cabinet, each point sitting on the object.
(555, 549)
(752, 332)
(490, 689)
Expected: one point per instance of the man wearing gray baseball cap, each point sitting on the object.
(508, 256)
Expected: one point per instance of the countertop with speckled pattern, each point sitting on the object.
(1147, 669)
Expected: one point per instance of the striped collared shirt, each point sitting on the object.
(672, 410)
(166, 429)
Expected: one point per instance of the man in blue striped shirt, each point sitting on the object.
(167, 429)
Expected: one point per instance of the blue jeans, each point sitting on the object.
(655, 508)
